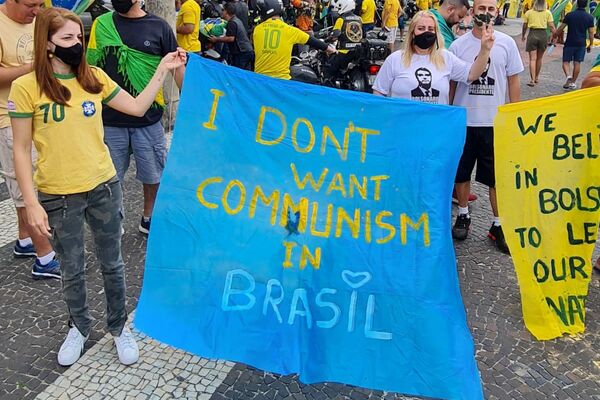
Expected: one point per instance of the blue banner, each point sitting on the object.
(302, 229)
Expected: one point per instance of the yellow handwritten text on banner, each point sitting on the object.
(548, 185)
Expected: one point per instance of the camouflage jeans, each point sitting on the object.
(100, 209)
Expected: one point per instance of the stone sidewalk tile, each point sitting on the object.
(8, 222)
(162, 372)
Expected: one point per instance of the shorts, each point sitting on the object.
(576, 54)
(391, 36)
(479, 147)
(537, 40)
(7, 165)
(148, 145)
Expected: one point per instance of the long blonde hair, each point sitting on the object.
(435, 52)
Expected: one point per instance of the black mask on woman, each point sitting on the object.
(425, 40)
(69, 55)
(122, 6)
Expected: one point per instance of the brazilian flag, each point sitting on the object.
(557, 9)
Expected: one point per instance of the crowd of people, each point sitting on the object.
(87, 107)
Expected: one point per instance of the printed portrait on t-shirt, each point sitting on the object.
(484, 86)
(424, 92)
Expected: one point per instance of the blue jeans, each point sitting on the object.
(66, 215)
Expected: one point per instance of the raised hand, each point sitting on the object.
(174, 59)
(487, 37)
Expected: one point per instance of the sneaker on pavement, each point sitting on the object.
(72, 347)
(497, 236)
(145, 225)
(48, 271)
(127, 347)
(24, 251)
(572, 85)
(460, 230)
(567, 83)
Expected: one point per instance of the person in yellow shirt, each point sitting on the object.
(188, 26)
(58, 106)
(423, 4)
(389, 21)
(274, 39)
(16, 56)
(367, 14)
(537, 20)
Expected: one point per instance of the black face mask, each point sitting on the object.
(122, 6)
(69, 55)
(485, 18)
(425, 40)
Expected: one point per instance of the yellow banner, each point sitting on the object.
(548, 186)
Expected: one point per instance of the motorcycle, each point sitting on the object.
(411, 9)
(359, 75)
(374, 52)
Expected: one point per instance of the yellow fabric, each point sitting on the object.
(367, 12)
(423, 4)
(16, 49)
(72, 156)
(538, 19)
(595, 69)
(513, 9)
(189, 13)
(273, 42)
(526, 6)
(548, 180)
(392, 9)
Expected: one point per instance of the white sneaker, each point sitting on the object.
(72, 347)
(127, 347)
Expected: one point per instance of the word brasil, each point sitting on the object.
(299, 305)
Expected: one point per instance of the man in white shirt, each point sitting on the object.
(481, 98)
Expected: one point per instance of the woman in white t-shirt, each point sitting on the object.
(422, 70)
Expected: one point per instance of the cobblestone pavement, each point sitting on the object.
(513, 365)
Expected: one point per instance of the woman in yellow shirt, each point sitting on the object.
(537, 20)
(58, 106)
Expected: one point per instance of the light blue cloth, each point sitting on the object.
(383, 316)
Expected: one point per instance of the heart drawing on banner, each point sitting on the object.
(355, 279)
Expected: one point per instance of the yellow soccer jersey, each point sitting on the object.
(423, 4)
(392, 8)
(72, 156)
(367, 11)
(273, 42)
(189, 13)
